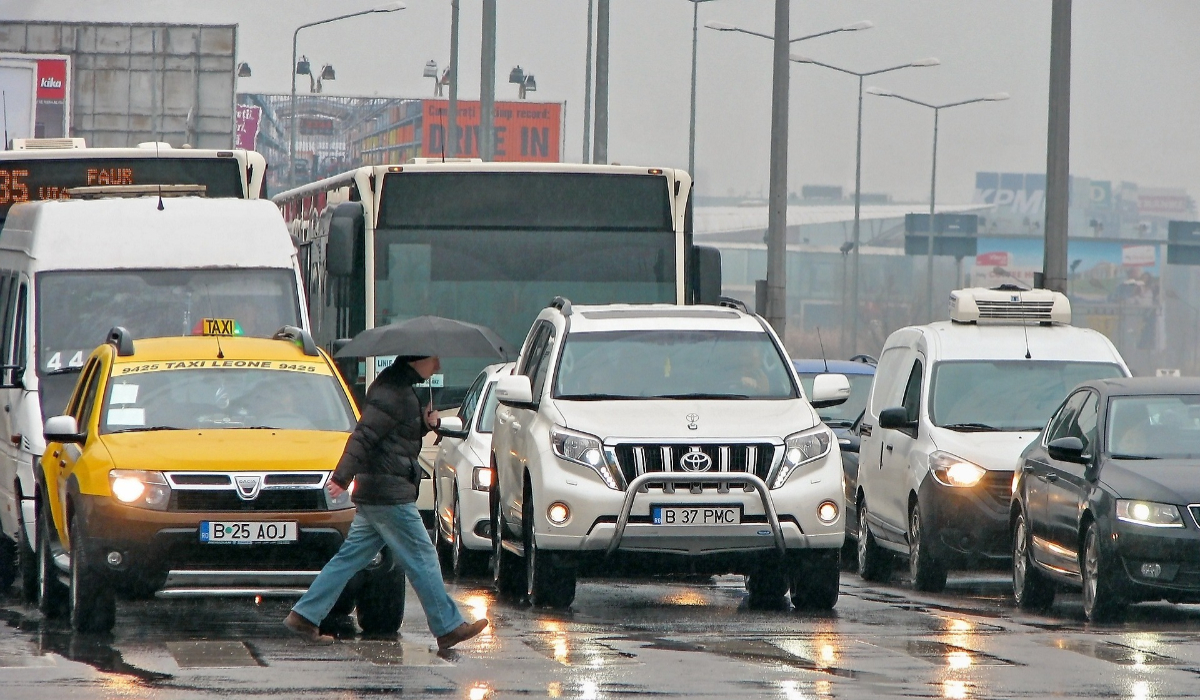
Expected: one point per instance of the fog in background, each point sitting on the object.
(1133, 83)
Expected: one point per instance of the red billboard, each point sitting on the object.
(524, 131)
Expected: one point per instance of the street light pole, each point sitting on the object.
(587, 89)
(452, 107)
(854, 260)
(692, 120)
(389, 7)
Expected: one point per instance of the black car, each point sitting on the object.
(1108, 498)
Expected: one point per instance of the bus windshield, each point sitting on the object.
(494, 247)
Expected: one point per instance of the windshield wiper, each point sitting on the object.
(596, 397)
(838, 422)
(699, 396)
(146, 429)
(1133, 457)
(65, 370)
(972, 427)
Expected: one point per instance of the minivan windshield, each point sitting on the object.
(1154, 427)
(669, 364)
(1008, 395)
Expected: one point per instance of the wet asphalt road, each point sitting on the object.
(625, 639)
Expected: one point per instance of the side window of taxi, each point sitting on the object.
(84, 401)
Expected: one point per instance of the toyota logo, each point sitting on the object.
(695, 462)
(691, 419)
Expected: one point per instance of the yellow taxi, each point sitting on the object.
(197, 466)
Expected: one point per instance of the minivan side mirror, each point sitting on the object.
(896, 419)
(515, 391)
(829, 390)
(1067, 449)
(452, 427)
(63, 429)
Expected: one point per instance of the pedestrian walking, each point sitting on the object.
(381, 459)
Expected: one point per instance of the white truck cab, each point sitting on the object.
(952, 406)
(658, 438)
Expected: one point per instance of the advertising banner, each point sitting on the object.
(525, 131)
(50, 107)
(248, 117)
(1099, 271)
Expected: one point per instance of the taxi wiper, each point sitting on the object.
(65, 370)
(146, 429)
(972, 427)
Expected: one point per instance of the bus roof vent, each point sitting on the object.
(1009, 304)
(47, 144)
(435, 161)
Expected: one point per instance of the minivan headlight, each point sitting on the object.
(141, 489)
(802, 448)
(950, 470)
(1148, 513)
(585, 450)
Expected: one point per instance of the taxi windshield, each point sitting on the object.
(193, 399)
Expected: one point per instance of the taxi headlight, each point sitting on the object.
(141, 489)
(585, 450)
(1149, 513)
(949, 470)
(341, 502)
(800, 449)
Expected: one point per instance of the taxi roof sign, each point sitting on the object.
(217, 326)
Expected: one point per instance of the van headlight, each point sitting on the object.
(800, 449)
(585, 450)
(1149, 513)
(949, 470)
(141, 489)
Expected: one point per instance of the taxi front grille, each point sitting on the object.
(752, 458)
(218, 501)
(247, 491)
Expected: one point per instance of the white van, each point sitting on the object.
(70, 270)
(953, 405)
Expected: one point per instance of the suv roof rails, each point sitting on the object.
(122, 339)
(300, 337)
(563, 304)
(731, 303)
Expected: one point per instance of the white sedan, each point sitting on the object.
(463, 475)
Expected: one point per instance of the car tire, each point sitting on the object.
(444, 548)
(1102, 598)
(380, 603)
(546, 585)
(874, 562)
(464, 562)
(767, 585)
(92, 602)
(27, 561)
(928, 574)
(816, 580)
(8, 563)
(51, 593)
(1032, 590)
(507, 575)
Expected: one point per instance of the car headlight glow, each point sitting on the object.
(1149, 513)
(342, 501)
(481, 478)
(585, 450)
(827, 512)
(800, 449)
(950, 470)
(141, 489)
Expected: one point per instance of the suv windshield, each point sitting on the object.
(1152, 427)
(843, 415)
(191, 399)
(1010, 395)
(672, 364)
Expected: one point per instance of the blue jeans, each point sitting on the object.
(398, 527)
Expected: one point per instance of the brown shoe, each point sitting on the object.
(306, 630)
(461, 633)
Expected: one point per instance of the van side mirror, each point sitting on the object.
(829, 390)
(896, 419)
(62, 429)
(1067, 449)
(345, 229)
(515, 391)
(707, 275)
(452, 427)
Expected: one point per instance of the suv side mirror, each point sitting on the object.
(452, 427)
(1067, 449)
(896, 419)
(829, 390)
(515, 391)
(62, 429)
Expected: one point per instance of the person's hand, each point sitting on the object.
(431, 418)
(334, 490)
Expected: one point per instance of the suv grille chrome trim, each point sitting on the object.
(218, 491)
(636, 459)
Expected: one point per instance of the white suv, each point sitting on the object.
(640, 439)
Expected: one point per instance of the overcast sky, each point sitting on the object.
(1133, 82)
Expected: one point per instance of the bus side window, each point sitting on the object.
(7, 300)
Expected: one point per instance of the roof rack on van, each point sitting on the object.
(1009, 304)
(299, 336)
(110, 191)
(122, 339)
(563, 304)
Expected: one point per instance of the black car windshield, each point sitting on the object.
(1010, 395)
(1154, 427)
(308, 398)
(844, 414)
(655, 364)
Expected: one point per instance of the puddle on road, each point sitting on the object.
(93, 650)
(573, 651)
(211, 654)
(1113, 653)
(397, 654)
(943, 654)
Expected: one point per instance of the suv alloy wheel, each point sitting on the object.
(546, 585)
(506, 570)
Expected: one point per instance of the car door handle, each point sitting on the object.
(516, 425)
(889, 448)
(1051, 477)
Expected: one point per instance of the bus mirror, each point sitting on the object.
(708, 275)
(339, 249)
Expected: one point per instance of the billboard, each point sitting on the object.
(525, 131)
(18, 86)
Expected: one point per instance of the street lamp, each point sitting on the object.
(295, 69)
(692, 121)
(854, 262)
(996, 97)
(524, 80)
(777, 210)
(243, 70)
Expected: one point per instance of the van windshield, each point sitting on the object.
(1010, 395)
(672, 364)
(77, 308)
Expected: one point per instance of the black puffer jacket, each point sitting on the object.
(383, 449)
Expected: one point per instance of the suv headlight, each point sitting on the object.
(1149, 513)
(800, 449)
(585, 450)
(343, 501)
(949, 470)
(141, 489)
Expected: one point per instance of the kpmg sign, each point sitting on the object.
(1019, 194)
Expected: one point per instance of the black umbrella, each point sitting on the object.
(427, 335)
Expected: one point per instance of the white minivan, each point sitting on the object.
(71, 270)
(953, 405)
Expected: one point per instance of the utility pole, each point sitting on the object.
(452, 119)
(587, 90)
(487, 84)
(600, 151)
(1058, 148)
(776, 313)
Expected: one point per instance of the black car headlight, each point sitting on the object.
(1148, 513)
(587, 451)
(141, 489)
